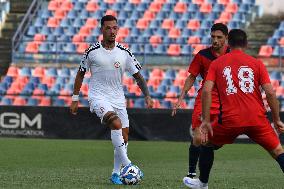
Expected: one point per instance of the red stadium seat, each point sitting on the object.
(191, 92)
(53, 5)
(232, 8)
(123, 32)
(32, 47)
(135, 89)
(111, 12)
(155, 40)
(91, 23)
(85, 31)
(179, 81)
(156, 72)
(136, 2)
(38, 72)
(174, 50)
(39, 37)
(142, 23)
(53, 22)
(22, 80)
(180, 7)
(198, 2)
(193, 24)
(19, 101)
(13, 71)
(66, 6)
(171, 96)
(174, 33)
(225, 17)
(60, 14)
(49, 81)
(84, 89)
(38, 92)
(149, 15)
(265, 51)
(92, 6)
(193, 40)
(224, 2)
(78, 38)
(168, 24)
(182, 73)
(100, 38)
(110, 1)
(155, 7)
(45, 101)
(127, 81)
(154, 82)
(81, 48)
(156, 103)
(206, 8)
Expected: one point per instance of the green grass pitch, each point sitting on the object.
(82, 164)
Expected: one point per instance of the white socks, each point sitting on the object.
(120, 150)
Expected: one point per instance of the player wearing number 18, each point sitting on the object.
(238, 78)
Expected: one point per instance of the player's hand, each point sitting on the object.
(176, 106)
(205, 130)
(74, 107)
(279, 125)
(149, 102)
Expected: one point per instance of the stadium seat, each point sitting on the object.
(180, 7)
(168, 24)
(39, 37)
(281, 41)
(224, 2)
(225, 17)
(92, 6)
(142, 24)
(91, 23)
(19, 101)
(166, 104)
(186, 50)
(193, 40)
(32, 101)
(206, 8)
(81, 48)
(155, 6)
(13, 71)
(6, 101)
(265, 51)
(53, 22)
(193, 24)
(231, 8)
(38, 72)
(111, 12)
(78, 38)
(174, 50)
(53, 5)
(32, 47)
(44, 101)
(174, 33)
(155, 40)
(198, 2)
(149, 15)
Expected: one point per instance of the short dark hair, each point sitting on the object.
(107, 18)
(220, 26)
(237, 38)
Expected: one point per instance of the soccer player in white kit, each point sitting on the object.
(108, 60)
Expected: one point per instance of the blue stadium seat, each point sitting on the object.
(54, 90)
(45, 13)
(166, 104)
(161, 16)
(58, 102)
(278, 33)
(272, 41)
(123, 15)
(167, 7)
(28, 89)
(166, 82)
(155, 24)
(136, 49)
(181, 40)
(160, 49)
(32, 31)
(170, 74)
(72, 14)
(186, 33)
(276, 75)
(175, 89)
(217, 8)
(148, 32)
(69, 48)
(7, 79)
(46, 30)
(84, 14)
(161, 32)
(84, 102)
(187, 16)
(180, 24)
(212, 16)
(79, 6)
(39, 22)
(71, 31)
(186, 50)
(278, 50)
(142, 6)
(192, 8)
(6, 101)
(128, 7)
(168, 40)
(148, 49)
(162, 89)
(42, 87)
(136, 15)
(25, 71)
(244, 8)
(78, 22)
(145, 73)
(139, 103)
(174, 16)
(91, 39)
(34, 80)
(32, 101)
(205, 24)
(206, 40)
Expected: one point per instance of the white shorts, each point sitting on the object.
(101, 107)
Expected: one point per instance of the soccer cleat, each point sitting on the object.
(194, 183)
(115, 179)
(191, 175)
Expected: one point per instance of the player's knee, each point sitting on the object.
(112, 120)
(277, 151)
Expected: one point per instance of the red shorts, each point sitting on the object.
(263, 135)
(196, 119)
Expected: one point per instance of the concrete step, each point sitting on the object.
(20, 6)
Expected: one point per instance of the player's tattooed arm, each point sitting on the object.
(143, 86)
(78, 81)
(141, 83)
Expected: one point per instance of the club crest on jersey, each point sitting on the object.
(116, 64)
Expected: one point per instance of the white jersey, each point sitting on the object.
(107, 68)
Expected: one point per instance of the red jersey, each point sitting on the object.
(238, 78)
(200, 65)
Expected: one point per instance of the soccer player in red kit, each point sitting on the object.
(238, 78)
(200, 65)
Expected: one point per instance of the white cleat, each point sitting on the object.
(194, 183)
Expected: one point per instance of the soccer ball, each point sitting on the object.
(131, 175)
